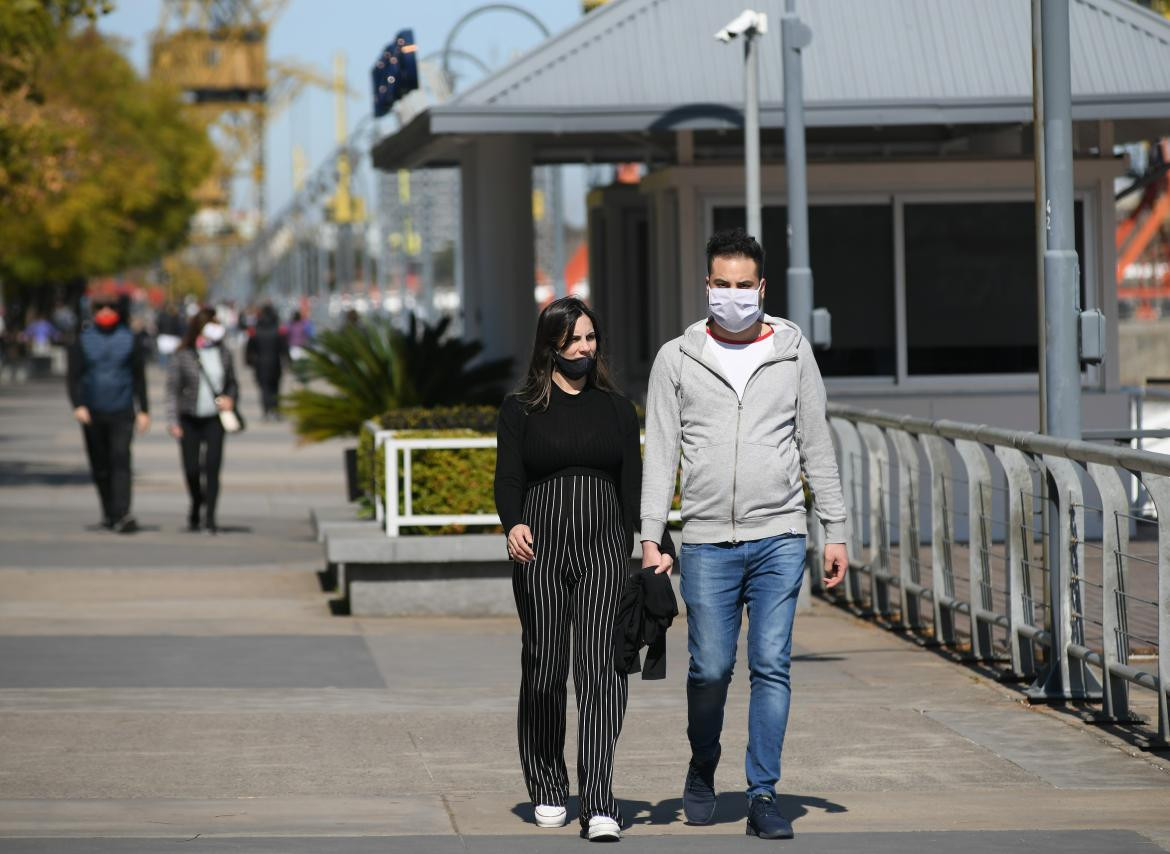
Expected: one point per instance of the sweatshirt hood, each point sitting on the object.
(786, 337)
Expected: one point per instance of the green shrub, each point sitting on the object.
(479, 419)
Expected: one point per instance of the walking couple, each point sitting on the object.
(740, 397)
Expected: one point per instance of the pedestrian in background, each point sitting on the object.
(169, 329)
(266, 354)
(106, 378)
(200, 385)
(568, 476)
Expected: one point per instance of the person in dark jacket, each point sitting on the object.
(201, 384)
(266, 354)
(568, 477)
(106, 378)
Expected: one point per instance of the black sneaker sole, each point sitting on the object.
(751, 831)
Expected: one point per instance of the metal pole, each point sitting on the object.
(1041, 221)
(560, 286)
(751, 133)
(794, 37)
(1040, 196)
(1062, 390)
(1062, 365)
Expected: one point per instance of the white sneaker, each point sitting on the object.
(549, 816)
(602, 828)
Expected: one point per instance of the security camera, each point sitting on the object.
(747, 21)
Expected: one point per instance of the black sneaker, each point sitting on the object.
(699, 791)
(765, 821)
(126, 525)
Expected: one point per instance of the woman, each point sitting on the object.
(200, 385)
(568, 476)
(267, 352)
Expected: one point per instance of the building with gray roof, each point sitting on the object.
(920, 179)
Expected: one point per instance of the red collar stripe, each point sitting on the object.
(768, 332)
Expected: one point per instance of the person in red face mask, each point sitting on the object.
(107, 387)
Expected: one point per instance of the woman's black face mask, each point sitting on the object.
(574, 369)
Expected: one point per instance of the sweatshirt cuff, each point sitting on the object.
(834, 532)
(652, 530)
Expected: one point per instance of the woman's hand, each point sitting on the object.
(176, 431)
(224, 403)
(520, 544)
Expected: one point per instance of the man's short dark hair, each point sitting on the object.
(735, 241)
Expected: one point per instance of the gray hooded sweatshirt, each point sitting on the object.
(741, 459)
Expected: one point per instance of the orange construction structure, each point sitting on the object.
(1143, 239)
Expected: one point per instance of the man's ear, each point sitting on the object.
(763, 283)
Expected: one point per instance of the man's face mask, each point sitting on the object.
(735, 309)
(106, 317)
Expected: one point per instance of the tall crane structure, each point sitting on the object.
(216, 52)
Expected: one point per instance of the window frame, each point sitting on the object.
(898, 200)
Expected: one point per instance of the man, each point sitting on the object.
(741, 396)
(107, 375)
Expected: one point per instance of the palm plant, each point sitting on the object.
(373, 367)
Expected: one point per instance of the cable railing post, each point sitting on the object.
(1114, 546)
(978, 556)
(942, 534)
(1019, 478)
(908, 546)
(877, 467)
(1158, 487)
(1065, 677)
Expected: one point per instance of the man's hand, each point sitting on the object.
(81, 413)
(224, 403)
(836, 563)
(176, 431)
(142, 421)
(652, 556)
(520, 544)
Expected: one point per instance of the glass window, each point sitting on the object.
(971, 287)
(852, 257)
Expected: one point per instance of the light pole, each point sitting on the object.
(750, 24)
(794, 37)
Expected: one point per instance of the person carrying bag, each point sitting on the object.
(199, 416)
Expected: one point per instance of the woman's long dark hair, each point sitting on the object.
(554, 328)
(195, 326)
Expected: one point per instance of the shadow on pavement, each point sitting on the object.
(19, 473)
(730, 808)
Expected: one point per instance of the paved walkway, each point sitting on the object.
(172, 688)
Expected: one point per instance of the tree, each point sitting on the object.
(97, 166)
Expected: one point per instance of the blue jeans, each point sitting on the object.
(718, 579)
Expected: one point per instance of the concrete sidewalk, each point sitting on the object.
(162, 689)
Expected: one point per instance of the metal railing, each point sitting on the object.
(394, 504)
(948, 540)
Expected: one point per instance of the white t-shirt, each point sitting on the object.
(739, 359)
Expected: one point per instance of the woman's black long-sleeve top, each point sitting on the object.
(593, 432)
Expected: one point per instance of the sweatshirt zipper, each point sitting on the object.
(735, 457)
(735, 469)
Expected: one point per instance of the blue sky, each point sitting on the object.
(311, 32)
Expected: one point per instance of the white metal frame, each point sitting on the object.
(396, 489)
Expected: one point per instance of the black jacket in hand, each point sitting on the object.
(645, 612)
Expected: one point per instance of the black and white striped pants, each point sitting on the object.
(573, 585)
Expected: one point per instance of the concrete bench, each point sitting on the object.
(465, 575)
(338, 517)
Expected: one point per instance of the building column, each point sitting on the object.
(498, 251)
